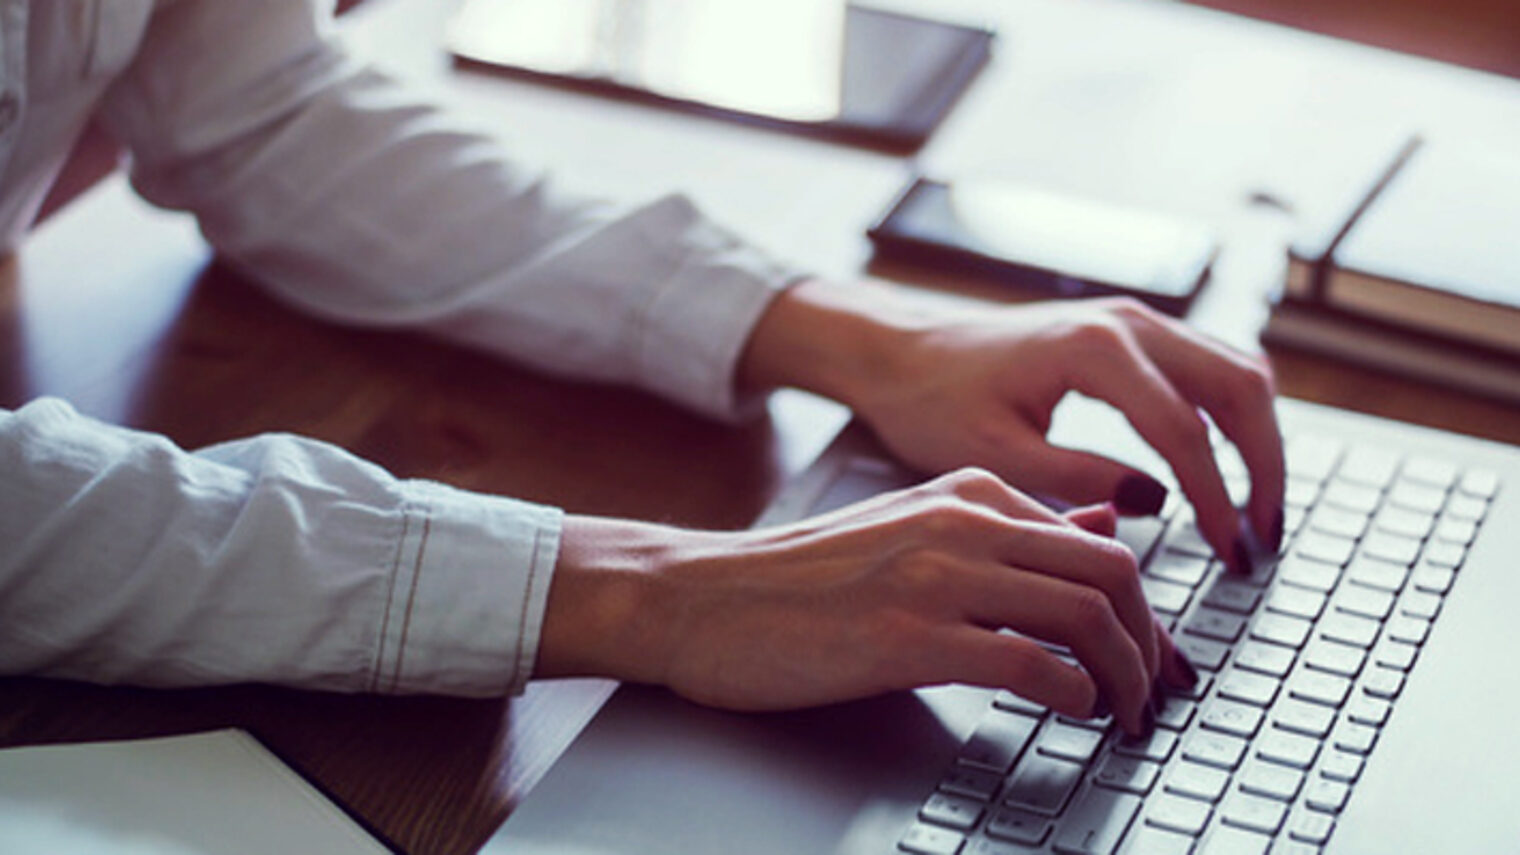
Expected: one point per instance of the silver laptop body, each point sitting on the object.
(1421, 737)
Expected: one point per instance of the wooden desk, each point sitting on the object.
(121, 311)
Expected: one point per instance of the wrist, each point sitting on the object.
(833, 340)
(604, 616)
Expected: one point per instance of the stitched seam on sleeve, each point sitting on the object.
(522, 617)
(411, 600)
(390, 597)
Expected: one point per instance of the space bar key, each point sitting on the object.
(1096, 822)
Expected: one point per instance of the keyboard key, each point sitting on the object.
(1419, 604)
(1444, 553)
(1214, 749)
(1456, 530)
(1375, 573)
(930, 840)
(1300, 492)
(1182, 568)
(1203, 653)
(1321, 688)
(1227, 840)
(1140, 534)
(1182, 815)
(1325, 548)
(1168, 597)
(957, 812)
(1293, 847)
(998, 741)
(1069, 742)
(1351, 497)
(1326, 795)
(1197, 782)
(1408, 630)
(1385, 683)
(1354, 738)
(1019, 826)
(1184, 539)
(1096, 822)
(1149, 840)
(1364, 601)
(1264, 658)
(1430, 472)
(1281, 629)
(1394, 654)
(1042, 784)
(1310, 719)
(1312, 456)
(1215, 624)
(1404, 522)
(1158, 746)
(1339, 522)
(1297, 601)
(1230, 717)
(1314, 575)
(1341, 766)
(1416, 497)
(1232, 595)
(1373, 467)
(1255, 813)
(1391, 548)
(1479, 483)
(1336, 658)
(1287, 749)
(1349, 629)
(1433, 579)
(1174, 713)
(990, 846)
(1368, 710)
(1271, 780)
(1310, 826)
(1255, 689)
(1009, 702)
(1463, 507)
(1129, 774)
(971, 781)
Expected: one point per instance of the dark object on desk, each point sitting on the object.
(1424, 276)
(1047, 243)
(863, 76)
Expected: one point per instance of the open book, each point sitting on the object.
(217, 792)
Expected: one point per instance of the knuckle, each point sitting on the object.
(1100, 337)
(1091, 612)
(1189, 429)
(975, 484)
(1128, 307)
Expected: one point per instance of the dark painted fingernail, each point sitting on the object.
(1241, 558)
(1277, 531)
(1140, 495)
(1186, 667)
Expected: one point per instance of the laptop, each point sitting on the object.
(1359, 693)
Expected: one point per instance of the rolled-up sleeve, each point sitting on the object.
(346, 196)
(275, 559)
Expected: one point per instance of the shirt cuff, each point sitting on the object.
(468, 591)
(700, 315)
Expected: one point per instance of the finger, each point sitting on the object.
(1116, 370)
(1176, 671)
(1237, 391)
(1081, 618)
(983, 488)
(1082, 477)
(977, 657)
(1101, 519)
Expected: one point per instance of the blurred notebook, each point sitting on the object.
(820, 67)
(1421, 276)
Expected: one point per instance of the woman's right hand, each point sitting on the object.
(903, 590)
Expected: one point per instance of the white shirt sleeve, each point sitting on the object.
(276, 559)
(342, 194)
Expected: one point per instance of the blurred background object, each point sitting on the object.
(1483, 34)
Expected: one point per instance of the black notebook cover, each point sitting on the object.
(901, 75)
